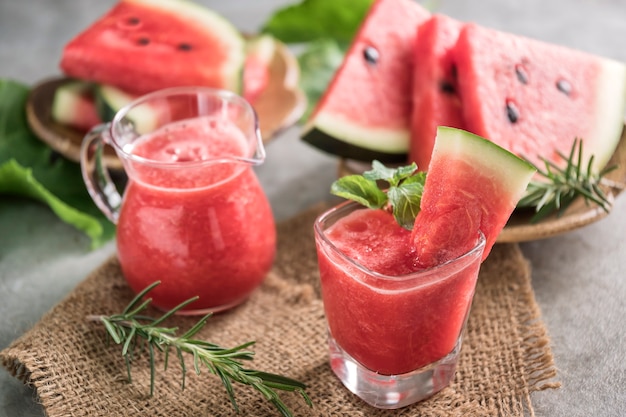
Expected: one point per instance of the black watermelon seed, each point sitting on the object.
(454, 71)
(512, 112)
(143, 41)
(129, 23)
(185, 47)
(371, 55)
(447, 87)
(522, 76)
(564, 86)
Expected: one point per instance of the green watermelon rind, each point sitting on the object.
(342, 138)
(66, 103)
(610, 114)
(490, 157)
(330, 144)
(110, 100)
(263, 47)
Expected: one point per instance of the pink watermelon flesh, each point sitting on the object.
(85, 115)
(365, 110)
(435, 97)
(257, 67)
(535, 98)
(256, 78)
(141, 46)
(472, 185)
(74, 106)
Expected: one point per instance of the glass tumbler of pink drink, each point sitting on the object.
(192, 214)
(394, 330)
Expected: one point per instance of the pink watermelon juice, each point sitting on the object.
(383, 310)
(200, 225)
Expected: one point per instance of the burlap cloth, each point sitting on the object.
(505, 355)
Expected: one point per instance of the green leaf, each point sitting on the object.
(379, 172)
(359, 189)
(18, 180)
(406, 199)
(404, 195)
(318, 63)
(392, 175)
(29, 168)
(406, 172)
(315, 19)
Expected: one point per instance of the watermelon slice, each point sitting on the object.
(364, 113)
(260, 52)
(472, 185)
(109, 100)
(141, 46)
(435, 97)
(535, 98)
(74, 105)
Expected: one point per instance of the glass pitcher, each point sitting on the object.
(193, 214)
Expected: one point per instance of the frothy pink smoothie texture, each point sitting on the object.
(202, 226)
(388, 318)
(374, 239)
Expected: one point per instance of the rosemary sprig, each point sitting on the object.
(133, 330)
(561, 186)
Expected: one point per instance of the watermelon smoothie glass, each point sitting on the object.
(394, 330)
(193, 214)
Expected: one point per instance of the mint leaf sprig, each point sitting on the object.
(133, 330)
(403, 195)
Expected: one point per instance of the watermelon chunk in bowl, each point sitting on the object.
(73, 105)
(260, 51)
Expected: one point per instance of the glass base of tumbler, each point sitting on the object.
(392, 391)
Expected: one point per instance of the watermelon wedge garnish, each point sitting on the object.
(471, 185)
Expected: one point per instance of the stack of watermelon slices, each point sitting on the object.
(530, 97)
(140, 46)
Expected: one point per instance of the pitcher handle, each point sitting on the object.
(99, 184)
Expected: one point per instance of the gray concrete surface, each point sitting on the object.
(578, 278)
